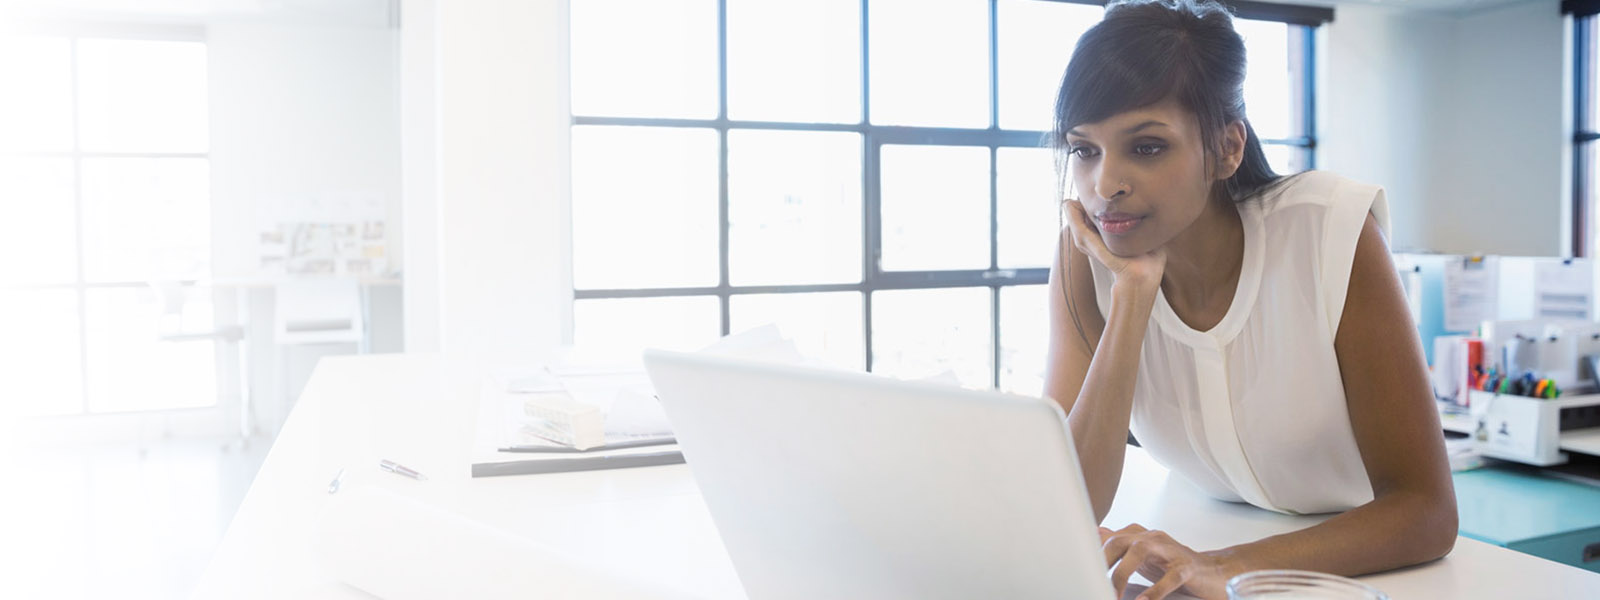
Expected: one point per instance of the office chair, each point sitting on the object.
(173, 327)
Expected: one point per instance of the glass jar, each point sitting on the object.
(1299, 585)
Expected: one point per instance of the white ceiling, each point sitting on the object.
(376, 13)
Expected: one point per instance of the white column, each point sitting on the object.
(488, 176)
(419, 180)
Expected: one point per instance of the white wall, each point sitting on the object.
(1459, 116)
(1379, 69)
(304, 117)
(1503, 134)
(299, 113)
(485, 131)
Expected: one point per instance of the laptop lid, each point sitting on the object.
(837, 484)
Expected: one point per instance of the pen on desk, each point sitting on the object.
(399, 469)
(333, 486)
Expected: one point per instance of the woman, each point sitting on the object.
(1248, 329)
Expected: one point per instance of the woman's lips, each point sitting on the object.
(1118, 224)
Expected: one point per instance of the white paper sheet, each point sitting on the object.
(637, 412)
(1470, 290)
(1563, 290)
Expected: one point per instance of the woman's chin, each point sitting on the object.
(1125, 250)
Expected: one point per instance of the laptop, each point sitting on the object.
(838, 484)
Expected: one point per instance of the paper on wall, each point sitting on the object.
(1470, 290)
(1563, 290)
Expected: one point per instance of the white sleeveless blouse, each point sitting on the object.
(1254, 409)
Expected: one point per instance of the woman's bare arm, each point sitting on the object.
(1094, 382)
(1412, 517)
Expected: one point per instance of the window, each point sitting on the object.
(1585, 129)
(104, 188)
(867, 174)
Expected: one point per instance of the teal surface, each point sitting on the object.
(1566, 549)
(1505, 507)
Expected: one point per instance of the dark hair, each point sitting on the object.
(1145, 51)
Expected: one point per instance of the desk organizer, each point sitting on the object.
(1523, 429)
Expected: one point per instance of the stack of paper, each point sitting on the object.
(1463, 453)
(593, 422)
(585, 417)
(555, 417)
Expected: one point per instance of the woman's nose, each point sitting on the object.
(1111, 185)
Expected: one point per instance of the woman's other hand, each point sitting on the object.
(1142, 272)
(1171, 565)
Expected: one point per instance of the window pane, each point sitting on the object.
(826, 326)
(38, 232)
(644, 207)
(922, 333)
(794, 225)
(131, 368)
(146, 218)
(935, 207)
(41, 332)
(142, 96)
(1268, 83)
(36, 108)
(623, 327)
(1036, 41)
(1024, 338)
(1030, 221)
(644, 58)
(929, 63)
(1286, 160)
(798, 61)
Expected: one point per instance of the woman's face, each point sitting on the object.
(1140, 175)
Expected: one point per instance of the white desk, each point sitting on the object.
(419, 410)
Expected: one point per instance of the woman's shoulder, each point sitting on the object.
(1323, 213)
(1321, 189)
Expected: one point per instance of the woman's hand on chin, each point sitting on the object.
(1142, 272)
(1171, 565)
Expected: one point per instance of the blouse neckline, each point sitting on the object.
(1244, 295)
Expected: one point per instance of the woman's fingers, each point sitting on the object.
(1173, 579)
(1115, 547)
(1084, 236)
(1115, 543)
(1171, 565)
(1131, 560)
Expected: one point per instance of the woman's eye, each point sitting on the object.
(1148, 149)
(1082, 152)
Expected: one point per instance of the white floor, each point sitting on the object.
(118, 521)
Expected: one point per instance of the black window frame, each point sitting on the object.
(1584, 133)
(874, 137)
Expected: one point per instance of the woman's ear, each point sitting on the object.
(1233, 140)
